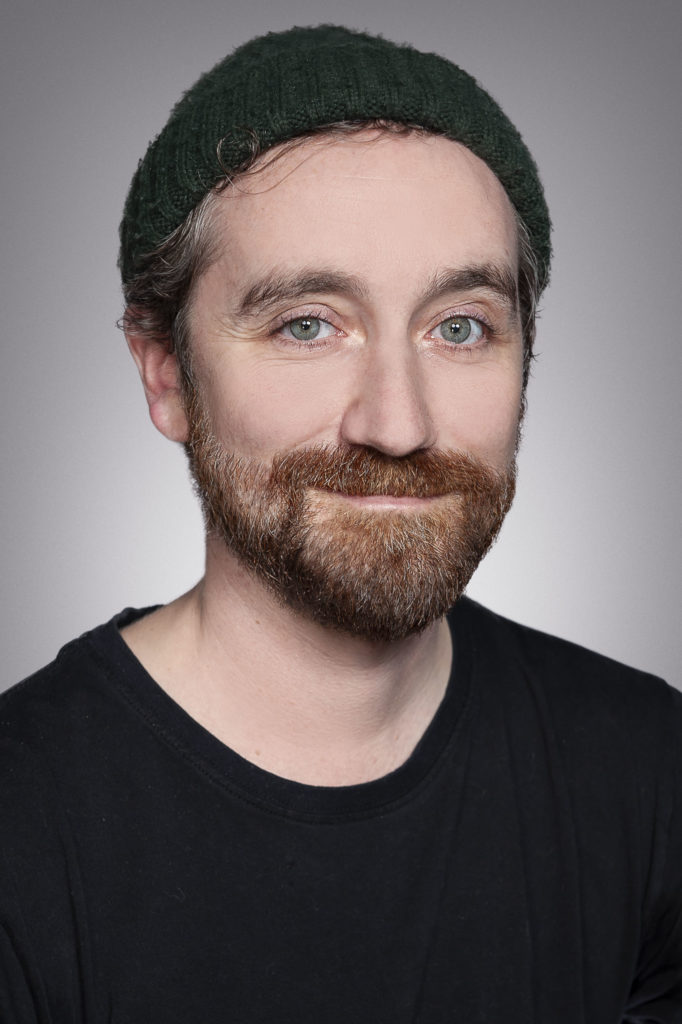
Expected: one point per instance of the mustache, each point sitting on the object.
(361, 471)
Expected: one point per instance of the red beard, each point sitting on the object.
(382, 574)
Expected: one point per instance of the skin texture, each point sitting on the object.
(407, 233)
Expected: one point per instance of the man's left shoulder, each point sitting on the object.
(565, 674)
(609, 735)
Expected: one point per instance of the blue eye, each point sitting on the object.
(308, 328)
(460, 330)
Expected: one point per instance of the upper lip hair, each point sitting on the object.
(374, 492)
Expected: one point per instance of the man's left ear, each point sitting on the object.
(160, 374)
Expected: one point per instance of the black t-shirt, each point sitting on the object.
(523, 865)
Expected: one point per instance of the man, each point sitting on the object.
(323, 785)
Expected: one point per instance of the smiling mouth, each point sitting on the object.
(384, 501)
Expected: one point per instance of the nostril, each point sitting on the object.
(393, 419)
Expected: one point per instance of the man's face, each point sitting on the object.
(357, 357)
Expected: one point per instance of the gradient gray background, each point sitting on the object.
(97, 512)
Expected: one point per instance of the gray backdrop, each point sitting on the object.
(97, 511)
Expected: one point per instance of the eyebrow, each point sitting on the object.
(274, 289)
(490, 276)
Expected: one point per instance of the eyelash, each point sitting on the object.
(310, 313)
(313, 313)
(465, 351)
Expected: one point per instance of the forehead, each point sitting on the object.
(372, 204)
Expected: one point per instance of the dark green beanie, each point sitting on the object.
(285, 84)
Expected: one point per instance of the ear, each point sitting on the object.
(160, 374)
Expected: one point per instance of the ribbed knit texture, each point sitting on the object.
(284, 84)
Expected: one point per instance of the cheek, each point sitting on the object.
(277, 406)
(482, 418)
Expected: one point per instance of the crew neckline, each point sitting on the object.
(271, 792)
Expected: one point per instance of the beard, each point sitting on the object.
(380, 574)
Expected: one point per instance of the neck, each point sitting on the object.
(306, 702)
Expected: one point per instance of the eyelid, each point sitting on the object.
(476, 315)
(312, 311)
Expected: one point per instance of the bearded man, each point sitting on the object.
(324, 785)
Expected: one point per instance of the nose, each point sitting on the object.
(390, 410)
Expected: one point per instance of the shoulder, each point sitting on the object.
(54, 721)
(53, 734)
(56, 695)
(63, 736)
(595, 707)
(44, 726)
(67, 690)
(610, 734)
(556, 663)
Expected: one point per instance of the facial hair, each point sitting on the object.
(380, 574)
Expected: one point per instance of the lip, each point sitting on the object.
(383, 501)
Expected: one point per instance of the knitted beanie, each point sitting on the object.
(285, 84)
